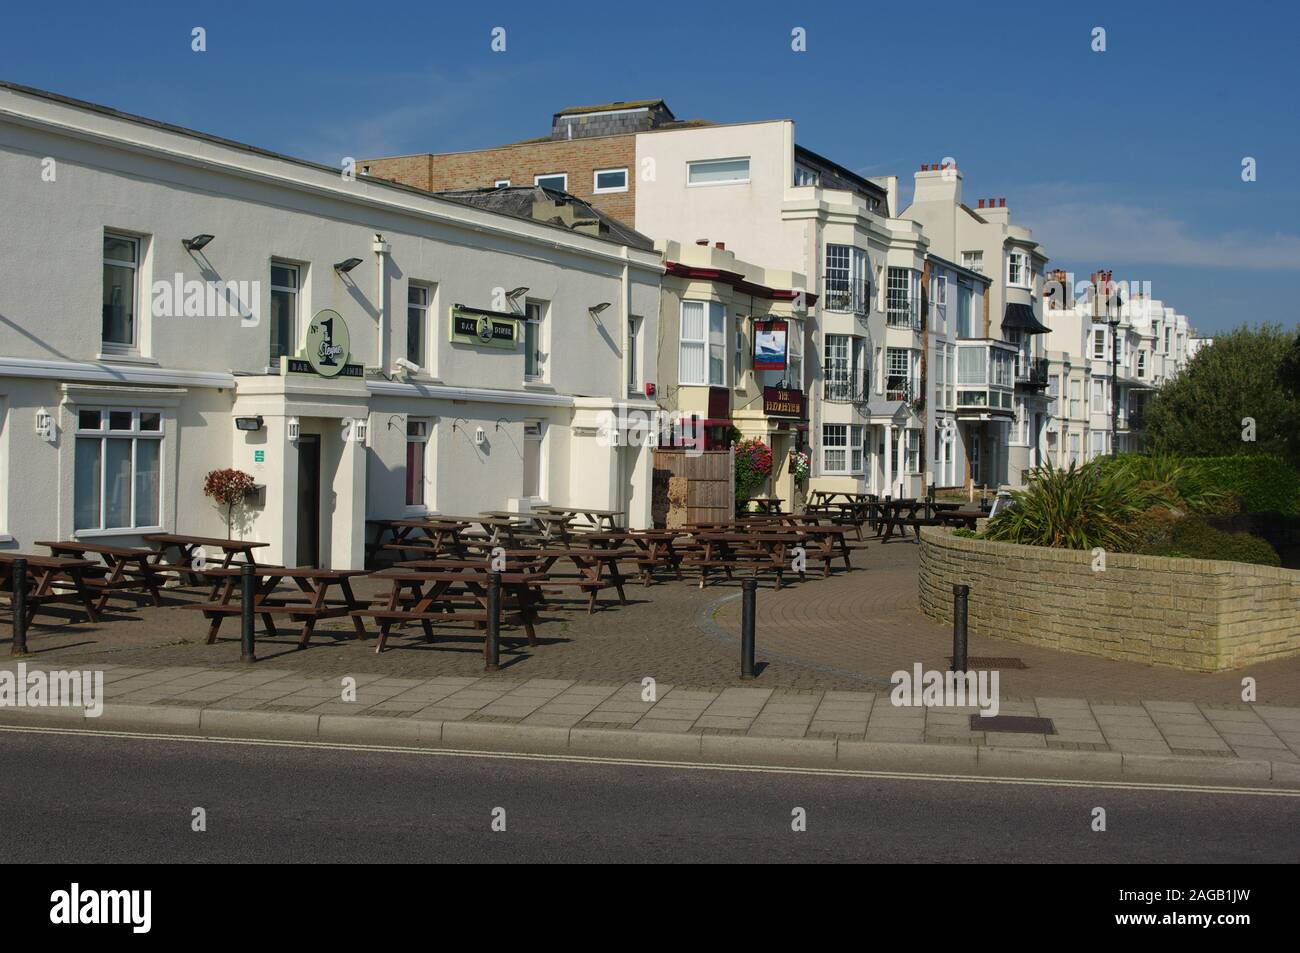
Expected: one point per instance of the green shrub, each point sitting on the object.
(1263, 484)
(965, 533)
(1079, 508)
(1195, 539)
(1166, 480)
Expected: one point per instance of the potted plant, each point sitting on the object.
(228, 488)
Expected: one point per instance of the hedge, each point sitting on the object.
(1265, 484)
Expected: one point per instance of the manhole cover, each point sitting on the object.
(990, 661)
(1022, 723)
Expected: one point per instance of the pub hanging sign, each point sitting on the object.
(783, 402)
(484, 328)
(770, 341)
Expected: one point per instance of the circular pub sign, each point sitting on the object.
(327, 343)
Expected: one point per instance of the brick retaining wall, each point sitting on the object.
(1192, 614)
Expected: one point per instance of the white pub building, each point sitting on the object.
(173, 303)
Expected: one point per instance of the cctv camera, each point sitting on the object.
(409, 367)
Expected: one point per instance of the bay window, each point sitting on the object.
(117, 479)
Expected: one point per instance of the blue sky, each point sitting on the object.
(1128, 159)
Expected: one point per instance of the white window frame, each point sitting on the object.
(134, 434)
(847, 439)
(697, 163)
(422, 307)
(535, 431)
(1099, 338)
(135, 266)
(537, 180)
(939, 300)
(535, 317)
(595, 181)
(973, 260)
(296, 317)
(1015, 269)
(706, 344)
(501, 184)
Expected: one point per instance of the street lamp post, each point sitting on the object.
(1114, 380)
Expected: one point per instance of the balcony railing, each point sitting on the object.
(846, 294)
(903, 312)
(899, 387)
(844, 392)
(1032, 372)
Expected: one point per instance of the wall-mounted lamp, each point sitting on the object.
(197, 243)
(343, 267)
(248, 423)
(292, 428)
(480, 437)
(45, 427)
(516, 292)
(596, 309)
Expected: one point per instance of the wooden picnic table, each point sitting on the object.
(440, 591)
(550, 526)
(308, 609)
(595, 569)
(428, 535)
(51, 580)
(729, 550)
(763, 504)
(901, 514)
(597, 519)
(656, 550)
(192, 550)
(130, 569)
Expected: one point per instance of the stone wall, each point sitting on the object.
(1192, 614)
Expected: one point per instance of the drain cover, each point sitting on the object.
(990, 661)
(1021, 723)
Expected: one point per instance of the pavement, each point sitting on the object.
(826, 651)
(1233, 744)
(80, 800)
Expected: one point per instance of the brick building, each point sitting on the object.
(590, 153)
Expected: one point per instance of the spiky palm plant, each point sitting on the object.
(1078, 508)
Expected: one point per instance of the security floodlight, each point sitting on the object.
(248, 423)
(197, 243)
(596, 309)
(343, 267)
(407, 367)
(516, 293)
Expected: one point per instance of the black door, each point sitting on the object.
(308, 500)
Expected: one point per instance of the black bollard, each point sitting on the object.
(960, 594)
(247, 596)
(748, 590)
(492, 643)
(18, 603)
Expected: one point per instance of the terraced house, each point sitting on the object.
(752, 190)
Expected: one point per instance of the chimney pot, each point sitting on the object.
(721, 246)
(924, 167)
(1002, 203)
(981, 203)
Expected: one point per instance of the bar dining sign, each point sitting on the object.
(770, 345)
(483, 328)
